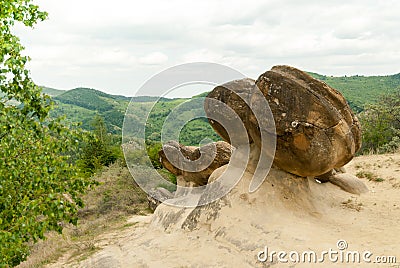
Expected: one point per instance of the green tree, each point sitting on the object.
(98, 150)
(381, 125)
(39, 185)
(152, 149)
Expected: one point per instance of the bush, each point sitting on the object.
(98, 150)
(152, 151)
(381, 125)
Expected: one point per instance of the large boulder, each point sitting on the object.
(315, 127)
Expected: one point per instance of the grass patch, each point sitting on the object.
(369, 175)
(127, 225)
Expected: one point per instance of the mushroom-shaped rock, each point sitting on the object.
(316, 129)
(211, 156)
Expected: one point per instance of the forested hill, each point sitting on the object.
(360, 90)
(82, 104)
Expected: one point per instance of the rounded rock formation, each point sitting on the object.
(315, 127)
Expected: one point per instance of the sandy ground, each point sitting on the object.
(280, 219)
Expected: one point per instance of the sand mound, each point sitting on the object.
(284, 214)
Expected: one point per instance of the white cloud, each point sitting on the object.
(155, 58)
(116, 46)
(202, 55)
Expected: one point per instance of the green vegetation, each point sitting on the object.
(52, 92)
(362, 90)
(381, 125)
(107, 207)
(193, 131)
(197, 130)
(90, 99)
(99, 149)
(39, 185)
(152, 150)
(82, 105)
(369, 175)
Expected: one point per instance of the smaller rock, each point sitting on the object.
(349, 183)
(199, 177)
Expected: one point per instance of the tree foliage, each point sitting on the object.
(381, 125)
(152, 149)
(39, 185)
(361, 90)
(99, 150)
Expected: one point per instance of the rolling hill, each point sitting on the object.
(360, 90)
(52, 91)
(82, 104)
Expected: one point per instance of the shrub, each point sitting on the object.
(381, 125)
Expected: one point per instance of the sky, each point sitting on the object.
(115, 46)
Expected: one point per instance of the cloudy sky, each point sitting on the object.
(115, 46)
